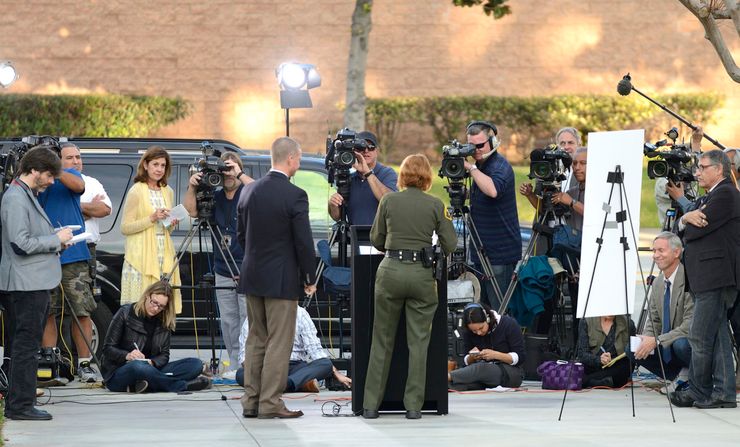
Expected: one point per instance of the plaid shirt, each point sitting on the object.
(306, 345)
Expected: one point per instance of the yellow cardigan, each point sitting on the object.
(141, 237)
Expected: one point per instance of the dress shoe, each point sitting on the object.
(312, 386)
(715, 403)
(282, 414)
(681, 399)
(199, 383)
(249, 413)
(370, 414)
(411, 414)
(451, 365)
(31, 414)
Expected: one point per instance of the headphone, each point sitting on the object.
(477, 306)
(492, 140)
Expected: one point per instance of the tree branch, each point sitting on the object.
(704, 14)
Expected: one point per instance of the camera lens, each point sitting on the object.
(453, 168)
(214, 179)
(657, 168)
(346, 158)
(542, 170)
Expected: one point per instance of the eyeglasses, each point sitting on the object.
(480, 145)
(703, 167)
(157, 305)
(367, 148)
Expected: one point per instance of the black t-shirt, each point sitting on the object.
(505, 337)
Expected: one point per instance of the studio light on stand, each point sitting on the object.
(8, 74)
(295, 80)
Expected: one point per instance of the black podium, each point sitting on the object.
(364, 266)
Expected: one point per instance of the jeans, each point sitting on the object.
(712, 373)
(299, 373)
(28, 311)
(680, 358)
(232, 309)
(172, 378)
(502, 273)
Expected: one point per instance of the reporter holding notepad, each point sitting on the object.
(136, 354)
(601, 345)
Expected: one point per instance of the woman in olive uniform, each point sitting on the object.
(403, 226)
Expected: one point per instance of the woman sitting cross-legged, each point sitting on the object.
(602, 340)
(137, 347)
(495, 348)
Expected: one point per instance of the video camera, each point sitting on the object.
(10, 157)
(340, 157)
(212, 176)
(547, 167)
(549, 164)
(675, 163)
(453, 160)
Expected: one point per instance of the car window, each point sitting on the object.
(318, 190)
(115, 179)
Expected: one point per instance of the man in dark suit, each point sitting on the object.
(712, 238)
(278, 266)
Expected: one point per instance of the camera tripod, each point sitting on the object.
(207, 283)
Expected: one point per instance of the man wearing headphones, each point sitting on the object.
(493, 209)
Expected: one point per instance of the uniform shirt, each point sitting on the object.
(362, 203)
(62, 205)
(496, 219)
(407, 219)
(93, 188)
(224, 214)
(306, 346)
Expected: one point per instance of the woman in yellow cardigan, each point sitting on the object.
(149, 249)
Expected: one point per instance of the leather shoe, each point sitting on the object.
(249, 413)
(370, 414)
(31, 414)
(681, 399)
(282, 414)
(312, 386)
(715, 403)
(411, 414)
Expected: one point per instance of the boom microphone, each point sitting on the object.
(624, 87)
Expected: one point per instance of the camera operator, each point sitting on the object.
(29, 269)
(666, 190)
(371, 181)
(232, 307)
(493, 208)
(569, 140)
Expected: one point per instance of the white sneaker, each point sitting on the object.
(229, 375)
(86, 373)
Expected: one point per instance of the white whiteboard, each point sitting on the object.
(606, 150)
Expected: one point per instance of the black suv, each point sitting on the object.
(113, 161)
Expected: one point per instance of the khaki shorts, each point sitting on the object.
(77, 288)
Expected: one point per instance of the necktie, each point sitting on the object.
(667, 319)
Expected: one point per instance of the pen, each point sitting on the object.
(137, 347)
(600, 347)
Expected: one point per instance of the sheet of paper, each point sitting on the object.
(179, 212)
(79, 238)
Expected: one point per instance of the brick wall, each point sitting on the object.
(221, 54)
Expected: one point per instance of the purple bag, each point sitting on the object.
(555, 375)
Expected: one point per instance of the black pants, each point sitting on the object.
(28, 311)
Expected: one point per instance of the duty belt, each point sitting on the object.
(404, 255)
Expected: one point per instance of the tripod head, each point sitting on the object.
(458, 193)
(204, 196)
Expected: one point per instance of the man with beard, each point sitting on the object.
(232, 307)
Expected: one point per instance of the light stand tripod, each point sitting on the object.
(615, 178)
(207, 282)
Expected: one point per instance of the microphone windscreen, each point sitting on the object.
(536, 155)
(624, 87)
(567, 161)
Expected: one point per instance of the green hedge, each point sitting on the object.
(88, 115)
(537, 117)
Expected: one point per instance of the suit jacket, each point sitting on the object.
(682, 309)
(275, 233)
(711, 253)
(30, 258)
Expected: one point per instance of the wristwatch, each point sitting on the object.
(472, 168)
(368, 174)
(239, 174)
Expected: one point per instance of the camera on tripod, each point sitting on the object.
(212, 176)
(453, 160)
(549, 164)
(340, 157)
(11, 157)
(675, 162)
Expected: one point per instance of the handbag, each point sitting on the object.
(561, 375)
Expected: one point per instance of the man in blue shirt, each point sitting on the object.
(493, 209)
(232, 307)
(368, 184)
(61, 202)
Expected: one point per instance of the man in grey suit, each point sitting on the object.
(278, 266)
(30, 246)
(671, 309)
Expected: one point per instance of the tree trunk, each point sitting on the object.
(354, 112)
